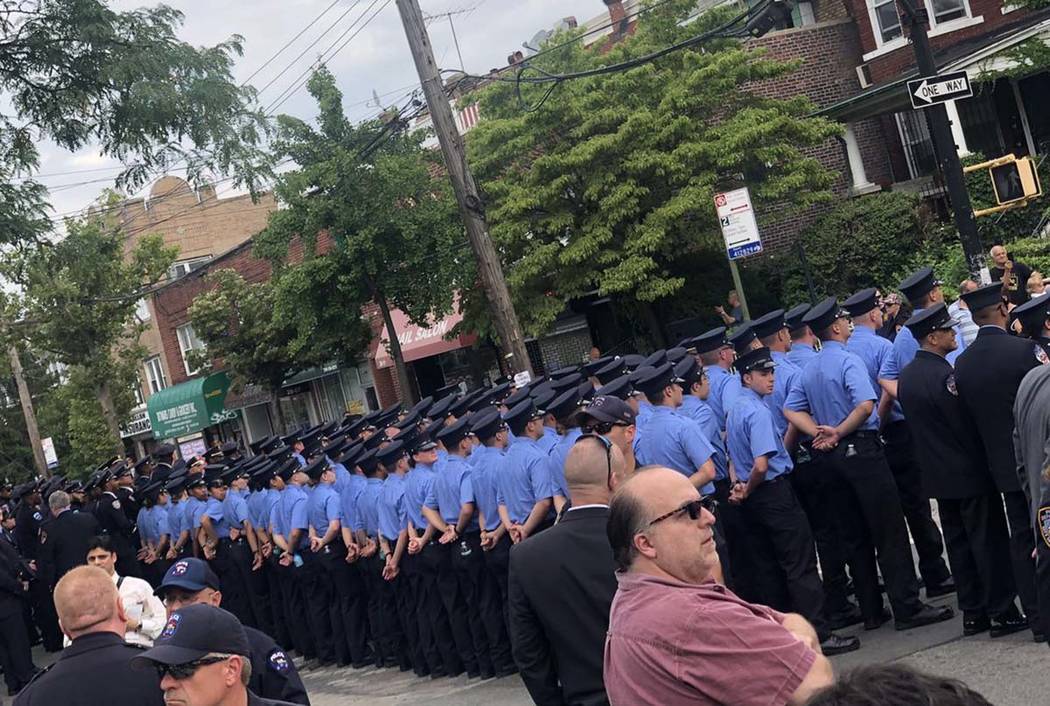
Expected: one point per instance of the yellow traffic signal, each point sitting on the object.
(1015, 182)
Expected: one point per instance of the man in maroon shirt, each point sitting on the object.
(678, 637)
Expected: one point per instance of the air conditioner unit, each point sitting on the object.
(864, 75)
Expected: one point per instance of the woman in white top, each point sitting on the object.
(146, 614)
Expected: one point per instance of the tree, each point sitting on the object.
(265, 332)
(607, 183)
(80, 296)
(371, 187)
(79, 73)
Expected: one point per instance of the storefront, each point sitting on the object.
(194, 414)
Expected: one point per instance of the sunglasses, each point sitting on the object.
(186, 670)
(607, 445)
(692, 508)
(602, 427)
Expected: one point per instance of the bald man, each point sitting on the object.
(562, 582)
(676, 635)
(95, 668)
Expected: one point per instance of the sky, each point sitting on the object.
(377, 59)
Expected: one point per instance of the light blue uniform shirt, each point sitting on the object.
(752, 432)
(556, 461)
(724, 388)
(485, 462)
(323, 507)
(873, 350)
(831, 386)
(392, 516)
(342, 476)
(273, 500)
(145, 525)
(523, 479)
(348, 499)
(368, 506)
(700, 412)
(548, 440)
(276, 521)
(257, 508)
(213, 509)
(235, 510)
(176, 511)
(302, 460)
(674, 441)
(418, 482)
(293, 506)
(451, 490)
(783, 378)
(904, 349)
(801, 353)
(159, 513)
(196, 509)
(645, 413)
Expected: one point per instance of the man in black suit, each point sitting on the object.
(562, 583)
(954, 469)
(64, 539)
(15, 657)
(987, 376)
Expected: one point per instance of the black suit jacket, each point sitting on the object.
(987, 375)
(945, 437)
(63, 544)
(562, 583)
(11, 589)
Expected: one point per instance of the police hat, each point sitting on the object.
(459, 407)
(163, 452)
(653, 381)
(354, 426)
(487, 423)
(279, 453)
(655, 359)
(439, 409)
(517, 397)
(141, 464)
(426, 440)
(1034, 312)
(688, 371)
(368, 462)
(539, 390)
(712, 340)
(824, 315)
(757, 359)
(562, 372)
(984, 296)
(391, 453)
(676, 354)
(175, 485)
(608, 409)
(350, 455)
(454, 433)
(393, 410)
(620, 387)
(213, 476)
(918, 284)
(316, 468)
(230, 447)
(793, 317)
(521, 414)
(409, 420)
(484, 399)
(593, 366)
(742, 338)
(566, 404)
(768, 324)
(542, 401)
(928, 320)
(287, 468)
(195, 480)
(611, 370)
(862, 302)
(633, 361)
(261, 474)
(190, 575)
(500, 391)
(290, 439)
(566, 382)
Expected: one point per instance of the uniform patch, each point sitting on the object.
(171, 627)
(1041, 356)
(37, 516)
(278, 661)
(180, 568)
(116, 504)
(1044, 524)
(950, 384)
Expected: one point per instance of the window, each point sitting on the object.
(918, 146)
(945, 16)
(948, 10)
(182, 267)
(155, 374)
(136, 392)
(188, 341)
(887, 21)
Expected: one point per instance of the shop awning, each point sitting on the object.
(188, 407)
(418, 342)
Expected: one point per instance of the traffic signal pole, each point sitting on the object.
(917, 20)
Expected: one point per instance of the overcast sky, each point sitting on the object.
(377, 59)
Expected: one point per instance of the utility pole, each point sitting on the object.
(27, 411)
(471, 209)
(917, 20)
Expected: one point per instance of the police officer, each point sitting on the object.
(955, 471)
(176, 487)
(325, 562)
(113, 519)
(872, 349)
(288, 619)
(804, 343)
(488, 427)
(563, 409)
(1034, 316)
(354, 595)
(524, 477)
(834, 402)
(987, 376)
(777, 531)
(716, 355)
(292, 539)
(398, 604)
(384, 634)
(274, 676)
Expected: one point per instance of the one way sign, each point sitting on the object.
(932, 90)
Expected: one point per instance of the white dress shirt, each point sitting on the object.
(136, 592)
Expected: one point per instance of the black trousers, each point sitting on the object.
(784, 554)
(730, 534)
(929, 545)
(870, 515)
(424, 588)
(259, 597)
(455, 607)
(353, 605)
(497, 560)
(282, 633)
(469, 566)
(492, 608)
(15, 657)
(44, 615)
(405, 607)
(382, 611)
(817, 489)
(234, 590)
(979, 553)
(1022, 544)
(317, 592)
(432, 559)
(293, 587)
(418, 635)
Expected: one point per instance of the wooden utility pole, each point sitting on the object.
(27, 411)
(471, 209)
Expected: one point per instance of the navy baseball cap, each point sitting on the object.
(194, 632)
(190, 575)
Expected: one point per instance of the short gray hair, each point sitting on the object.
(58, 500)
(246, 664)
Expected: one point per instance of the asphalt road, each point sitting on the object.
(1010, 671)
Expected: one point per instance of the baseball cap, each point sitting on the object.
(189, 575)
(609, 409)
(193, 632)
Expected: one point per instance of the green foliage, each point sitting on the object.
(1034, 252)
(1009, 225)
(80, 73)
(609, 184)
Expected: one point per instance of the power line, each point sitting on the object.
(291, 41)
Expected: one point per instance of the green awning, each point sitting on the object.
(188, 407)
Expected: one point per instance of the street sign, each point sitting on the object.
(739, 228)
(942, 88)
(49, 452)
(522, 379)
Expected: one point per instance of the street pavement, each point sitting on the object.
(1009, 671)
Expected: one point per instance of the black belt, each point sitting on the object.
(231, 540)
(862, 434)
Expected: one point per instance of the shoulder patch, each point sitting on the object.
(949, 383)
(116, 504)
(1044, 524)
(37, 516)
(278, 661)
(171, 627)
(1041, 356)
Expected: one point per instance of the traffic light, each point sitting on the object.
(1015, 182)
